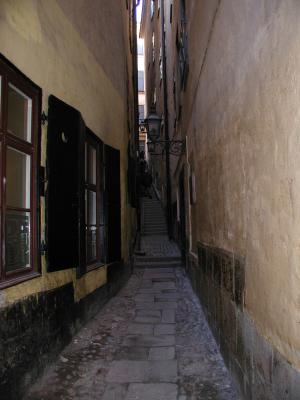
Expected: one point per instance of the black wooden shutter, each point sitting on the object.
(65, 194)
(112, 204)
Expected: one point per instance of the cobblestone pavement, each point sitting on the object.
(150, 342)
(159, 246)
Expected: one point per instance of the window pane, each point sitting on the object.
(141, 112)
(19, 113)
(141, 86)
(140, 48)
(17, 179)
(91, 207)
(92, 165)
(17, 240)
(91, 243)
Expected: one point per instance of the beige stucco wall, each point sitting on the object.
(57, 47)
(242, 118)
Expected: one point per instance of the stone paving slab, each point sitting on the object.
(168, 316)
(159, 246)
(134, 349)
(140, 329)
(164, 329)
(115, 392)
(150, 391)
(142, 371)
(166, 296)
(148, 313)
(148, 320)
(164, 272)
(164, 285)
(144, 297)
(148, 290)
(162, 353)
(157, 305)
(149, 341)
(132, 353)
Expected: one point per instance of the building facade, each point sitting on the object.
(232, 78)
(141, 91)
(68, 132)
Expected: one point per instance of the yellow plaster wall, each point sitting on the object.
(89, 282)
(38, 38)
(243, 120)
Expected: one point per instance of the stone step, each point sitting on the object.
(158, 264)
(155, 224)
(154, 214)
(155, 229)
(154, 234)
(154, 218)
(161, 230)
(148, 259)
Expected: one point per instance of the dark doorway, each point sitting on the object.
(182, 227)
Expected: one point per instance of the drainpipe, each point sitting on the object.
(166, 121)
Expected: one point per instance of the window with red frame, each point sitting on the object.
(19, 143)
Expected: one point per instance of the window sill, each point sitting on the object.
(94, 266)
(20, 279)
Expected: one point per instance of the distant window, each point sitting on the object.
(154, 96)
(141, 112)
(153, 47)
(141, 81)
(140, 48)
(152, 8)
(160, 65)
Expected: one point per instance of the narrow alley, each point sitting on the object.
(150, 342)
(149, 200)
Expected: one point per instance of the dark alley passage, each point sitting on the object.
(150, 342)
(149, 200)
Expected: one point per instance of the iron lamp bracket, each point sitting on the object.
(158, 147)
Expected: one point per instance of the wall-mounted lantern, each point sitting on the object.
(152, 126)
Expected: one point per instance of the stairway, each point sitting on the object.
(158, 251)
(153, 218)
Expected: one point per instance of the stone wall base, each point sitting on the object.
(35, 330)
(259, 370)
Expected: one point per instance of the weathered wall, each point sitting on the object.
(79, 52)
(241, 116)
(67, 52)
